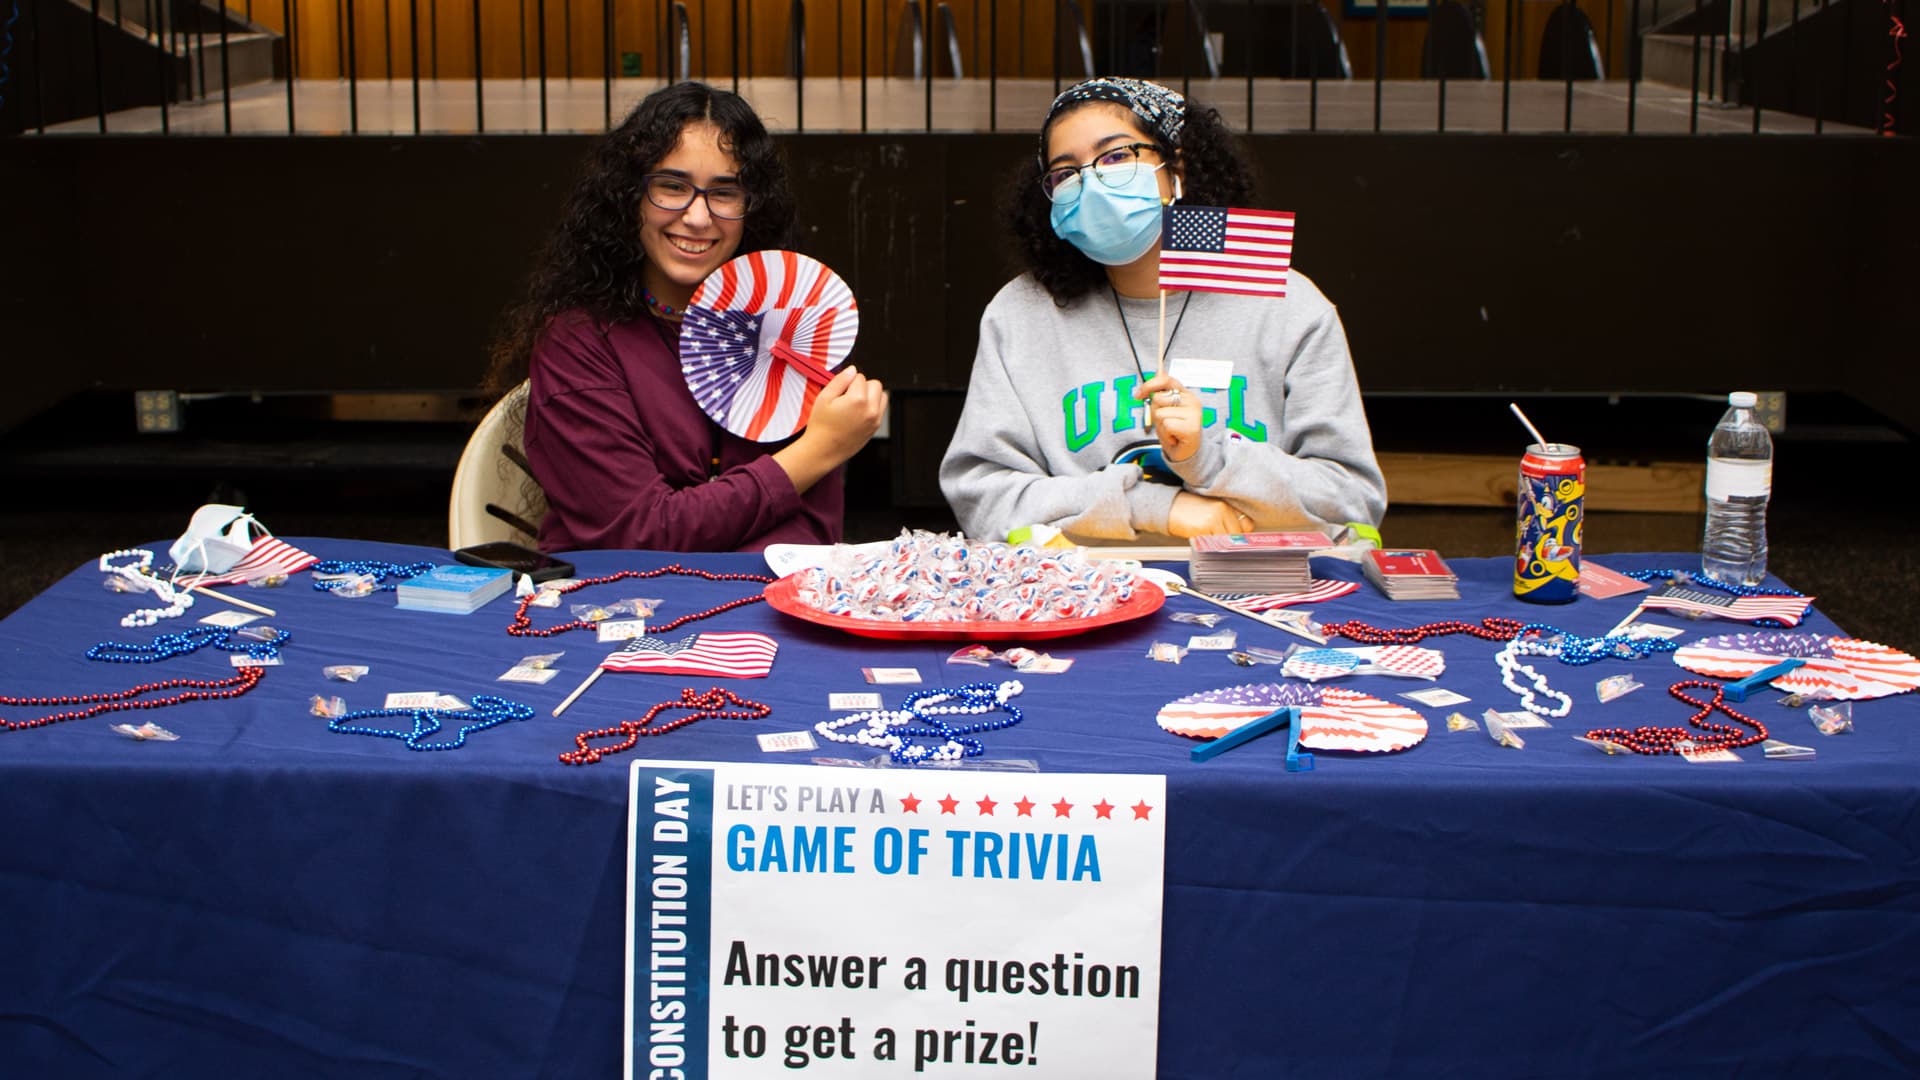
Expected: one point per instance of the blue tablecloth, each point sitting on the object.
(265, 897)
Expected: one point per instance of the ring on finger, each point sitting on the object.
(1173, 397)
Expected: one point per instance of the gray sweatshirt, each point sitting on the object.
(1051, 403)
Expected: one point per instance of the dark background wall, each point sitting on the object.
(1460, 262)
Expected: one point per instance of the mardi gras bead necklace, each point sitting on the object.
(522, 624)
(1703, 733)
(168, 646)
(132, 698)
(136, 574)
(486, 711)
(379, 570)
(1684, 577)
(664, 310)
(1491, 628)
(711, 705)
(1511, 669)
(922, 715)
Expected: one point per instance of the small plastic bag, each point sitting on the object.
(1615, 686)
(1166, 652)
(1832, 717)
(125, 583)
(1254, 654)
(1458, 721)
(345, 672)
(1208, 619)
(351, 585)
(272, 579)
(259, 634)
(145, 732)
(327, 708)
(1775, 750)
(1497, 730)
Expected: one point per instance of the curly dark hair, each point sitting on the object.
(1214, 173)
(592, 258)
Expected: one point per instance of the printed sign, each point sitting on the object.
(791, 920)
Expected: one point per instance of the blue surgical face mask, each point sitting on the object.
(1112, 226)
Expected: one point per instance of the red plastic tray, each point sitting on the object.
(784, 596)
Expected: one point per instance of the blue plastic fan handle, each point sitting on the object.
(1278, 718)
(1738, 691)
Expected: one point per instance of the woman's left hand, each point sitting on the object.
(1176, 416)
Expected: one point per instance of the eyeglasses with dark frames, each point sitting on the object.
(1114, 167)
(670, 192)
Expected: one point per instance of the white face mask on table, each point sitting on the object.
(217, 537)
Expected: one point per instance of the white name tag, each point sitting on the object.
(1201, 374)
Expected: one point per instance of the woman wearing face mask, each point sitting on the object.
(626, 457)
(1054, 414)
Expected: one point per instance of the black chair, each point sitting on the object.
(797, 38)
(1076, 48)
(679, 44)
(1567, 47)
(1454, 47)
(1322, 54)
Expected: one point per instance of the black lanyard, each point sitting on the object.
(1125, 329)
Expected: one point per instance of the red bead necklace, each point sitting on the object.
(195, 690)
(1491, 628)
(1647, 739)
(710, 705)
(522, 625)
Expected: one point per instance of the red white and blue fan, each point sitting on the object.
(1330, 718)
(1836, 667)
(762, 335)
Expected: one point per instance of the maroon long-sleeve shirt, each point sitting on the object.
(628, 460)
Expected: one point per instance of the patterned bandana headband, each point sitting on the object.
(1163, 111)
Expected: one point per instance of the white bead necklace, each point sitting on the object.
(1511, 669)
(136, 575)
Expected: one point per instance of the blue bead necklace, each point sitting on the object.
(1579, 651)
(930, 706)
(487, 711)
(1684, 577)
(168, 646)
(377, 569)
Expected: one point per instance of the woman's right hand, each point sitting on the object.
(1200, 515)
(846, 413)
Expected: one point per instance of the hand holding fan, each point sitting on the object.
(762, 335)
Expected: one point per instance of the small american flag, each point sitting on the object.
(1225, 249)
(1321, 590)
(727, 655)
(1770, 610)
(267, 556)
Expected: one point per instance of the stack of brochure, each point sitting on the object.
(1412, 574)
(1262, 562)
(458, 589)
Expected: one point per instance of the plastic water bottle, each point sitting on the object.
(1739, 481)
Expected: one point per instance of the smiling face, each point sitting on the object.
(684, 246)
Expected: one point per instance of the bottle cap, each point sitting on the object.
(1742, 399)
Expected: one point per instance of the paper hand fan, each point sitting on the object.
(761, 336)
(1836, 667)
(1330, 719)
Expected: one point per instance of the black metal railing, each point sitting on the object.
(1814, 66)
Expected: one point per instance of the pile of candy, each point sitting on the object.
(933, 577)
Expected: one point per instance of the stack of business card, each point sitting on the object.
(1412, 574)
(457, 589)
(1261, 562)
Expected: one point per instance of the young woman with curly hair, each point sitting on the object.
(1053, 422)
(624, 454)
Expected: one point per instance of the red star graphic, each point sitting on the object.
(1063, 808)
(910, 804)
(947, 804)
(1141, 810)
(1025, 806)
(1103, 809)
(986, 806)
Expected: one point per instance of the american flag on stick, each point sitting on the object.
(727, 655)
(1225, 249)
(1321, 590)
(1778, 610)
(268, 556)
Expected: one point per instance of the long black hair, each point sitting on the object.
(1214, 173)
(592, 258)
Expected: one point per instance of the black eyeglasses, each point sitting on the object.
(670, 192)
(1114, 168)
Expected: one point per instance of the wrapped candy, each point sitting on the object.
(931, 577)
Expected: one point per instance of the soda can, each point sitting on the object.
(1553, 485)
